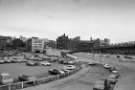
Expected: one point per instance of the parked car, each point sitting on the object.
(92, 63)
(70, 67)
(107, 66)
(63, 61)
(45, 63)
(2, 61)
(31, 63)
(115, 72)
(55, 71)
(8, 61)
(99, 85)
(112, 68)
(5, 78)
(71, 62)
(65, 70)
(24, 77)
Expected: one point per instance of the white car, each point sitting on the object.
(45, 63)
(115, 72)
(70, 67)
(2, 61)
(107, 66)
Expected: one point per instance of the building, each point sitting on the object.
(85, 45)
(5, 42)
(2, 43)
(100, 43)
(63, 42)
(37, 45)
(29, 44)
(73, 43)
(23, 38)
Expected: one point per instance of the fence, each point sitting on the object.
(25, 84)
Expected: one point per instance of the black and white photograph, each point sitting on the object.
(67, 44)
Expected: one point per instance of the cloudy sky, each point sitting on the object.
(114, 19)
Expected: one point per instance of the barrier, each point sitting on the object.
(25, 84)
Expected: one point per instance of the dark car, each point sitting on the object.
(8, 61)
(55, 71)
(26, 78)
(92, 63)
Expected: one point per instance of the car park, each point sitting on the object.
(55, 71)
(5, 78)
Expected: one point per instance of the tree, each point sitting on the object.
(17, 43)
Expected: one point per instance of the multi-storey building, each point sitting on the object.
(37, 45)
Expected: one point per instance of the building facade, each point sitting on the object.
(37, 45)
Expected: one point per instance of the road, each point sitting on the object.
(84, 79)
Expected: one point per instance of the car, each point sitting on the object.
(92, 63)
(115, 72)
(107, 66)
(31, 63)
(13, 61)
(25, 77)
(65, 70)
(71, 62)
(98, 85)
(70, 67)
(55, 71)
(128, 57)
(45, 63)
(2, 61)
(63, 62)
(112, 68)
(5, 78)
(8, 61)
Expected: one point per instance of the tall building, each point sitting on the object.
(100, 43)
(63, 42)
(37, 44)
(5, 41)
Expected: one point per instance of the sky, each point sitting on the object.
(113, 19)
